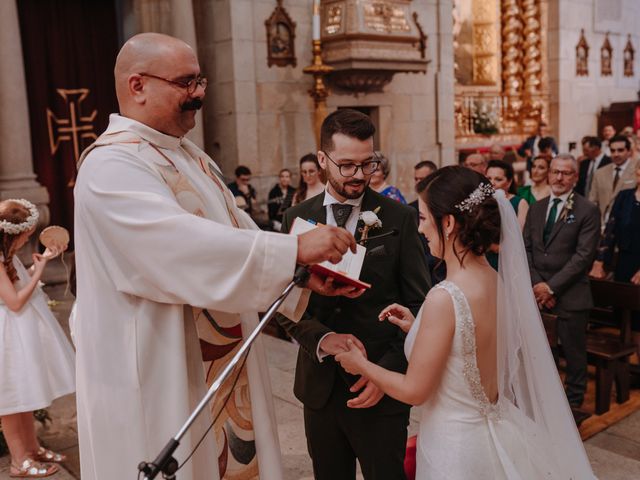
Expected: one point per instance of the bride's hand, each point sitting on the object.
(351, 360)
(398, 315)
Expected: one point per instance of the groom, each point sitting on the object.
(348, 417)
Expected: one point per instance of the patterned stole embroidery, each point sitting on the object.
(220, 337)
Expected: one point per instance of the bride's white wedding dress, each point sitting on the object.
(529, 433)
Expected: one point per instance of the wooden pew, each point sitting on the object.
(610, 354)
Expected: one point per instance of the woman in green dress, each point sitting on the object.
(500, 174)
(539, 187)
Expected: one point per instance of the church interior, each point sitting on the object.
(442, 81)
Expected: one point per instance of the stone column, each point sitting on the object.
(16, 161)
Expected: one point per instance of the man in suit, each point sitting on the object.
(421, 171)
(531, 146)
(595, 158)
(608, 132)
(561, 236)
(348, 417)
(618, 175)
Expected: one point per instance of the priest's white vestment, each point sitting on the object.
(146, 253)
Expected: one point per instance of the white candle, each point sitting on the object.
(316, 20)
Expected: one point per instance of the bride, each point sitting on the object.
(480, 368)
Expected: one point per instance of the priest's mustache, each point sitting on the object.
(193, 104)
(356, 183)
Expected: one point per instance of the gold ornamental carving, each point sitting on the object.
(385, 18)
(629, 57)
(333, 23)
(512, 67)
(532, 78)
(485, 43)
(582, 56)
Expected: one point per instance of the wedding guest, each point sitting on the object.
(594, 158)
(496, 152)
(37, 361)
(280, 198)
(421, 170)
(379, 181)
(500, 174)
(531, 147)
(560, 236)
(608, 132)
(476, 162)
(611, 179)
(242, 189)
(539, 187)
(311, 179)
(622, 234)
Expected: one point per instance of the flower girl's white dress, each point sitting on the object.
(36, 359)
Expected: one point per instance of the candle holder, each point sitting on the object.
(319, 91)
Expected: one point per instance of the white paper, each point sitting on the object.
(351, 263)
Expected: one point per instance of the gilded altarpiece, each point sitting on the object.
(500, 71)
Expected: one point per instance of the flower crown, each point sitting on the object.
(479, 195)
(28, 224)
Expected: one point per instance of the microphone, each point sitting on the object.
(391, 233)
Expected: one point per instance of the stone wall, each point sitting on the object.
(263, 117)
(576, 101)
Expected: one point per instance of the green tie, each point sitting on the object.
(551, 219)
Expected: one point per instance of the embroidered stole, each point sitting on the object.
(220, 335)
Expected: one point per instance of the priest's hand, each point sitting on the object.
(324, 243)
(326, 286)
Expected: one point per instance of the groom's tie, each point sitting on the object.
(341, 212)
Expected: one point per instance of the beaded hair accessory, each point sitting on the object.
(479, 195)
(28, 224)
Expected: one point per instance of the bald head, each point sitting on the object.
(477, 162)
(154, 76)
(143, 53)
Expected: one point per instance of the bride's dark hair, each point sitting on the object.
(477, 228)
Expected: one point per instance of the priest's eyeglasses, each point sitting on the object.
(350, 169)
(189, 85)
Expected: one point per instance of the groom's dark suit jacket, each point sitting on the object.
(395, 266)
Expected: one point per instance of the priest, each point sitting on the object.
(163, 255)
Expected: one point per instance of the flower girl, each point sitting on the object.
(36, 359)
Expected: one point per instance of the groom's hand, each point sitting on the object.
(326, 286)
(370, 396)
(335, 343)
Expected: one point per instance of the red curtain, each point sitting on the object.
(69, 49)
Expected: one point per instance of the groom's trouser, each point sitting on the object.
(572, 331)
(337, 435)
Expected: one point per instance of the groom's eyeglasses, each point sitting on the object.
(350, 169)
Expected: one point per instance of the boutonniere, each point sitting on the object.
(567, 214)
(370, 220)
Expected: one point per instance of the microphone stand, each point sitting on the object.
(165, 462)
